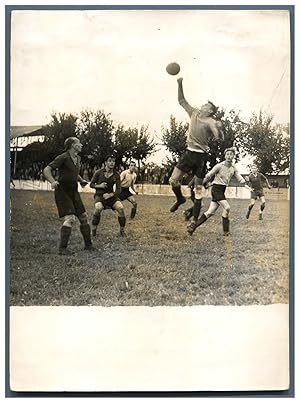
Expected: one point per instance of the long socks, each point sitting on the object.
(65, 233)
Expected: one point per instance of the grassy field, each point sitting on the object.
(157, 263)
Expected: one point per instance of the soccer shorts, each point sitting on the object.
(68, 201)
(193, 161)
(218, 192)
(257, 193)
(107, 203)
(125, 194)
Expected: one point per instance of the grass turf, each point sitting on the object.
(157, 263)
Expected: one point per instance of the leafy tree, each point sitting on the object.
(61, 126)
(124, 142)
(174, 138)
(55, 133)
(268, 143)
(132, 143)
(233, 129)
(283, 147)
(95, 131)
(144, 147)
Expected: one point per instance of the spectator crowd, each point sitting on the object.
(148, 173)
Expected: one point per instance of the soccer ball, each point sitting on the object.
(173, 68)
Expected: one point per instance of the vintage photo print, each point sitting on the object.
(151, 188)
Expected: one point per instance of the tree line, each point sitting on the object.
(97, 133)
(267, 143)
(259, 137)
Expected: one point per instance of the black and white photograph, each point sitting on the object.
(151, 180)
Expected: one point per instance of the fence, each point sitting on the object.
(165, 190)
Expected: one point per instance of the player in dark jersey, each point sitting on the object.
(67, 197)
(106, 182)
(255, 181)
(202, 129)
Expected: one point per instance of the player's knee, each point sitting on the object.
(83, 218)
(227, 209)
(119, 208)
(174, 182)
(225, 213)
(210, 211)
(98, 207)
(134, 203)
(69, 220)
(198, 191)
(120, 212)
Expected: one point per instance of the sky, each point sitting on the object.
(115, 60)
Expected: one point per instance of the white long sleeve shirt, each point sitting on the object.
(222, 174)
(127, 179)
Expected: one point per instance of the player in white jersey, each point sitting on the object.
(128, 179)
(222, 173)
(202, 129)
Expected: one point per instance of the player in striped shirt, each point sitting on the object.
(255, 181)
(221, 174)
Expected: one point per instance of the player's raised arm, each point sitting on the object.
(181, 99)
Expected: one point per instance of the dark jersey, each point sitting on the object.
(113, 180)
(255, 181)
(67, 170)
